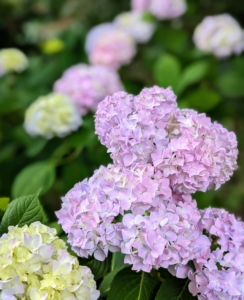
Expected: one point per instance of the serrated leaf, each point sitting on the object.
(193, 73)
(98, 268)
(166, 71)
(118, 261)
(129, 285)
(21, 211)
(4, 203)
(174, 289)
(32, 178)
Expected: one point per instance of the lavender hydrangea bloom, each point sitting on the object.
(190, 150)
(130, 126)
(220, 35)
(89, 209)
(168, 237)
(88, 85)
(162, 9)
(219, 273)
(110, 46)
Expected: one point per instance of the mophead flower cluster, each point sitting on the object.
(88, 85)
(141, 205)
(220, 35)
(35, 264)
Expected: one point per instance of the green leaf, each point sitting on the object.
(202, 99)
(4, 203)
(129, 285)
(118, 261)
(57, 226)
(105, 285)
(21, 211)
(117, 265)
(174, 289)
(194, 73)
(231, 84)
(166, 71)
(32, 178)
(3, 206)
(99, 268)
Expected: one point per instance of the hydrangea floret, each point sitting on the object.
(88, 85)
(35, 264)
(220, 35)
(52, 115)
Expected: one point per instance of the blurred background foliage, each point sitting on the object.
(52, 35)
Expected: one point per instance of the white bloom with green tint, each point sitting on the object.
(133, 22)
(12, 59)
(35, 265)
(52, 115)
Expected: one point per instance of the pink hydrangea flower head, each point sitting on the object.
(200, 154)
(133, 23)
(190, 150)
(88, 85)
(113, 48)
(167, 9)
(220, 35)
(130, 127)
(140, 5)
(162, 9)
(220, 272)
(166, 237)
(89, 209)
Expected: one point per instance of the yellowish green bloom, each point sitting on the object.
(35, 265)
(52, 115)
(12, 59)
(52, 46)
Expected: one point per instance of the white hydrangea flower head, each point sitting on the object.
(52, 115)
(132, 22)
(35, 265)
(12, 59)
(220, 35)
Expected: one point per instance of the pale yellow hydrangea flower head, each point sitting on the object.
(35, 265)
(12, 59)
(52, 115)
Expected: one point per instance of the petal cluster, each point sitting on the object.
(220, 271)
(35, 264)
(88, 85)
(190, 150)
(158, 228)
(133, 23)
(220, 35)
(12, 59)
(162, 9)
(110, 46)
(52, 115)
